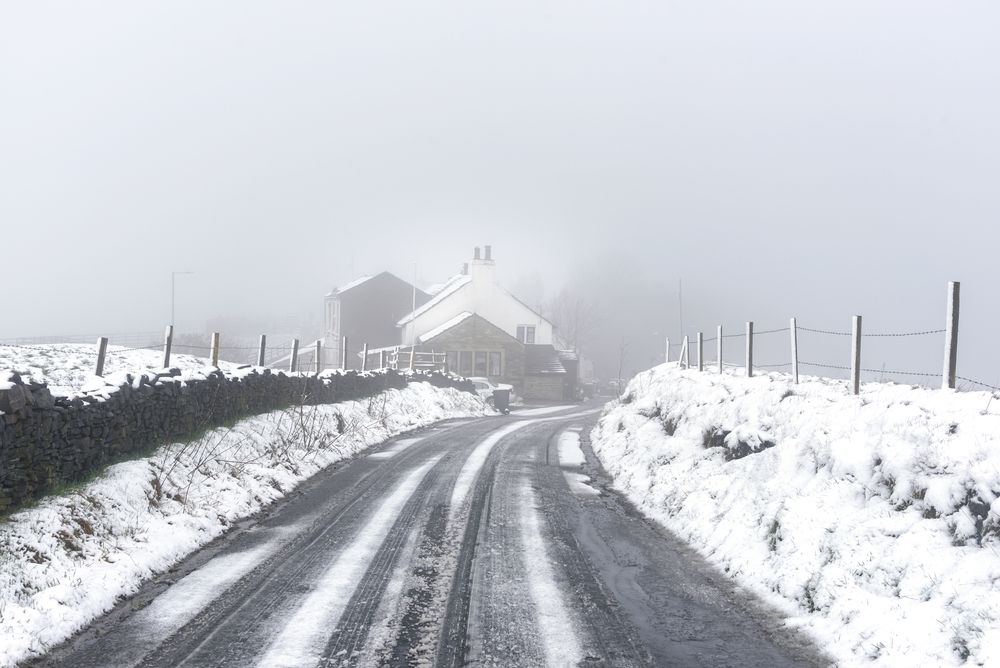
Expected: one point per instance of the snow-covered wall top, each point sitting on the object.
(48, 440)
(872, 521)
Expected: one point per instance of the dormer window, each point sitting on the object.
(526, 333)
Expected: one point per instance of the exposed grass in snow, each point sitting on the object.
(871, 521)
(72, 557)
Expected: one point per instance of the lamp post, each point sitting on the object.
(173, 290)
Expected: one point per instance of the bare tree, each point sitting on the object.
(575, 316)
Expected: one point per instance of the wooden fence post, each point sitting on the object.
(856, 356)
(685, 354)
(293, 361)
(215, 349)
(666, 355)
(701, 351)
(749, 338)
(343, 353)
(718, 346)
(263, 348)
(102, 351)
(364, 357)
(413, 354)
(319, 355)
(793, 330)
(381, 358)
(951, 338)
(168, 343)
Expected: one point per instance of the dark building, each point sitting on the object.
(366, 311)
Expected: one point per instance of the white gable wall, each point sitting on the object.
(483, 297)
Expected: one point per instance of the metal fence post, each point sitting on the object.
(263, 348)
(215, 349)
(381, 359)
(701, 352)
(666, 354)
(686, 354)
(102, 351)
(343, 353)
(293, 361)
(718, 346)
(856, 356)
(951, 338)
(168, 343)
(364, 357)
(319, 355)
(793, 330)
(749, 348)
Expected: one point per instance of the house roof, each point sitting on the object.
(361, 280)
(453, 286)
(542, 359)
(568, 356)
(441, 329)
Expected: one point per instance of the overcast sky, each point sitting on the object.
(816, 159)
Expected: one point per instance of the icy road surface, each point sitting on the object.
(489, 542)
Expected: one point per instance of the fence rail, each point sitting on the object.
(948, 375)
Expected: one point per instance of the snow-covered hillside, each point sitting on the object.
(68, 368)
(871, 521)
(73, 556)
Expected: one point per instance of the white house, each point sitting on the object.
(476, 291)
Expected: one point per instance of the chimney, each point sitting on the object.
(489, 252)
(476, 255)
(465, 269)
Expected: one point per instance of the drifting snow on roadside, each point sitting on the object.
(872, 522)
(73, 557)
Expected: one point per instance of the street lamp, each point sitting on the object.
(173, 290)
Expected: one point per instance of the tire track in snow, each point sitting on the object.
(474, 464)
(305, 634)
(559, 638)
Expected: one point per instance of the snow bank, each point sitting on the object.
(871, 522)
(73, 557)
(68, 368)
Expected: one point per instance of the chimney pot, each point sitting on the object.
(489, 252)
(476, 255)
(465, 269)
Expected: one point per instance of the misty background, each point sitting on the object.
(815, 159)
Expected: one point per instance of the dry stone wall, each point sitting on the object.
(47, 441)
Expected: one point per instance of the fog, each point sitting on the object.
(781, 158)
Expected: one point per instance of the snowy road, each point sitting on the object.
(484, 542)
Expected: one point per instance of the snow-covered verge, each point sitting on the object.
(138, 518)
(871, 522)
(68, 368)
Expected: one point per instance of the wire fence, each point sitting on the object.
(948, 377)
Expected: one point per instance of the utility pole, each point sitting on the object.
(413, 307)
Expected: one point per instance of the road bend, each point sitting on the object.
(489, 542)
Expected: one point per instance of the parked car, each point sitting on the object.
(485, 387)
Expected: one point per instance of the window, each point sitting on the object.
(480, 364)
(526, 333)
(495, 369)
(451, 361)
(465, 363)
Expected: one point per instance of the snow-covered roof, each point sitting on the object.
(453, 286)
(353, 284)
(441, 329)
